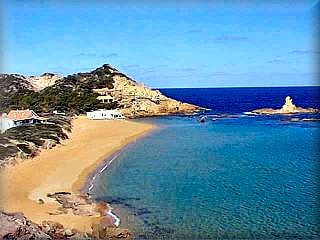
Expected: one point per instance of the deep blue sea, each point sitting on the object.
(235, 176)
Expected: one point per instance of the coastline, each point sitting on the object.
(67, 168)
(87, 186)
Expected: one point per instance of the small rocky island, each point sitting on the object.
(288, 108)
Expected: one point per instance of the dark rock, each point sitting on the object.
(17, 226)
(54, 229)
(102, 232)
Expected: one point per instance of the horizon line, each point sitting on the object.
(236, 87)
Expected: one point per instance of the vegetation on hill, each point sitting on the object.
(25, 140)
(71, 94)
(12, 83)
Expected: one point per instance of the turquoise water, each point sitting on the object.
(233, 178)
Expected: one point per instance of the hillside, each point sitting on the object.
(45, 80)
(77, 94)
(12, 83)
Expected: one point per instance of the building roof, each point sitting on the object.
(17, 115)
(105, 111)
(107, 97)
(104, 90)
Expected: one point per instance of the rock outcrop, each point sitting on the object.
(82, 205)
(79, 204)
(137, 100)
(17, 226)
(288, 108)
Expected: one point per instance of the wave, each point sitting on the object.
(115, 217)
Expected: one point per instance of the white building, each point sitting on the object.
(105, 99)
(105, 114)
(19, 117)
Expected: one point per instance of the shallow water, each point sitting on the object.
(233, 177)
(230, 178)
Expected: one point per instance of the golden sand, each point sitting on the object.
(65, 168)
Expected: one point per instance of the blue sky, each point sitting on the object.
(168, 44)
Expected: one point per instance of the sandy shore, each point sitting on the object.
(65, 168)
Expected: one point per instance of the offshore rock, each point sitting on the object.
(287, 108)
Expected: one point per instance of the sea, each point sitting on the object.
(235, 176)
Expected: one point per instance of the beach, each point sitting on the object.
(65, 168)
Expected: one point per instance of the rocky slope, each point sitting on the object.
(136, 100)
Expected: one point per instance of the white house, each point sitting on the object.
(105, 99)
(105, 114)
(19, 117)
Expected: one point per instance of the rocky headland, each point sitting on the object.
(288, 108)
(137, 100)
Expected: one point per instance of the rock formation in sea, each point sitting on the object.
(288, 108)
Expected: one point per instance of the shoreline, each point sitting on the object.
(104, 165)
(68, 168)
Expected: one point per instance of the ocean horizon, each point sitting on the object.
(236, 176)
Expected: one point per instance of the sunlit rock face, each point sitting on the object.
(137, 100)
(288, 107)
